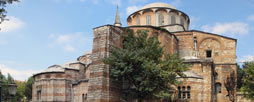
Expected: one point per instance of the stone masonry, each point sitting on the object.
(212, 57)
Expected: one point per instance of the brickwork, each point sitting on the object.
(212, 58)
(223, 55)
(100, 87)
(167, 39)
(51, 90)
(80, 91)
(60, 83)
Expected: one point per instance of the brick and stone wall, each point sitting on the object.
(51, 90)
(223, 56)
(55, 86)
(168, 40)
(100, 87)
(200, 82)
(80, 91)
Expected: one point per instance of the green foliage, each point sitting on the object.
(240, 75)
(3, 12)
(20, 91)
(231, 85)
(24, 89)
(28, 88)
(248, 86)
(142, 63)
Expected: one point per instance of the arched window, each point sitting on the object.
(84, 97)
(217, 88)
(184, 92)
(161, 20)
(38, 95)
(179, 92)
(188, 92)
(215, 76)
(138, 21)
(148, 20)
(173, 19)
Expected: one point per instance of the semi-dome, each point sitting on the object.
(158, 4)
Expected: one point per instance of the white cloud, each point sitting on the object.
(230, 28)
(132, 9)
(251, 18)
(69, 42)
(247, 58)
(65, 38)
(11, 24)
(17, 74)
(69, 48)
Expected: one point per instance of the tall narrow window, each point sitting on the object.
(173, 19)
(161, 20)
(179, 92)
(83, 97)
(138, 21)
(188, 92)
(148, 20)
(39, 95)
(215, 76)
(184, 92)
(217, 88)
(208, 53)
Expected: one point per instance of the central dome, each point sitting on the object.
(160, 15)
(158, 4)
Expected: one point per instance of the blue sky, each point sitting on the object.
(41, 33)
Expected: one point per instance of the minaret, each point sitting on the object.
(117, 19)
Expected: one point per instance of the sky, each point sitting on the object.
(41, 33)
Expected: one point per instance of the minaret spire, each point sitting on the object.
(117, 19)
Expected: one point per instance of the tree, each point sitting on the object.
(3, 12)
(20, 97)
(143, 65)
(28, 88)
(231, 85)
(248, 79)
(240, 75)
(5, 93)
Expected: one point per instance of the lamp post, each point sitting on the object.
(12, 88)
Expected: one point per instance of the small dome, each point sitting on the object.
(54, 68)
(158, 4)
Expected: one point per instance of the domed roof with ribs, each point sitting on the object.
(158, 4)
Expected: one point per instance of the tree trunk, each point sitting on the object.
(140, 100)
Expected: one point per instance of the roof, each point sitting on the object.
(53, 68)
(60, 68)
(190, 74)
(158, 4)
(206, 33)
(88, 52)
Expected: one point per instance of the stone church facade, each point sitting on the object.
(212, 58)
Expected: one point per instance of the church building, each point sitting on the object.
(212, 58)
